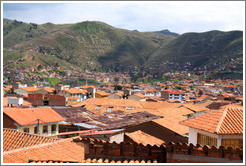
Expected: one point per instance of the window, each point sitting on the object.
(109, 109)
(45, 129)
(53, 128)
(206, 140)
(98, 107)
(26, 130)
(234, 143)
(35, 130)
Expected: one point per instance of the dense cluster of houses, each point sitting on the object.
(203, 116)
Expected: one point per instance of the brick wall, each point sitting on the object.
(182, 152)
(165, 95)
(8, 122)
(57, 100)
(35, 99)
(171, 153)
(122, 151)
(54, 100)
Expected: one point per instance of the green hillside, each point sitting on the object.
(97, 46)
(208, 50)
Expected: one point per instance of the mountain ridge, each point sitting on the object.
(97, 46)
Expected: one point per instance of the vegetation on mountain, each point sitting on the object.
(96, 46)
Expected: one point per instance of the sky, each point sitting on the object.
(177, 16)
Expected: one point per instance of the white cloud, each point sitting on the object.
(177, 16)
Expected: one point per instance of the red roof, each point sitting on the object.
(61, 150)
(223, 121)
(29, 116)
(174, 92)
(87, 86)
(13, 139)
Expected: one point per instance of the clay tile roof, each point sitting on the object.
(119, 94)
(139, 95)
(172, 123)
(14, 139)
(230, 86)
(201, 98)
(29, 89)
(86, 86)
(224, 121)
(227, 95)
(5, 102)
(174, 92)
(102, 93)
(144, 138)
(61, 150)
(74, 90)
(195, 107)
(49, 89)
(7, 88)
(29, 116)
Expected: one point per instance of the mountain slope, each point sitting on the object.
(94, 45)
(208, 50)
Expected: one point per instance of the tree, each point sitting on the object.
(117, 87)
(200, 93)
(40, 67)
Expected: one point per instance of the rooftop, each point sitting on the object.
(29, 116)
(224, 121)
(144, 138)
(61, 150)
(13, 139)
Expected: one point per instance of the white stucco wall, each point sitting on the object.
(193, 136)
(31, 129)
(117, 138)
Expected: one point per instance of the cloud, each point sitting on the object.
(177, 16)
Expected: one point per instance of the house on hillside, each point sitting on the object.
(24, 91)
(32, 120)
(91, 90)
(73, 92)
(46, 90)
(118, 95)
(138, 97)
(222, 127)
(101, 94)
(173, 95)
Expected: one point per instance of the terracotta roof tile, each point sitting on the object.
(61, 150)
(144, 138)
(48, 89)
(74, 90)
(224, 121)
(86, 86)
(102, 93)
(29, 116)
(29, 89)
(13, 139)
(174, 92)
(5, 102)
(139, 95)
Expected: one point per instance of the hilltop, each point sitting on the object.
(97, 46)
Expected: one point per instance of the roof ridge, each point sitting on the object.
(221, 119)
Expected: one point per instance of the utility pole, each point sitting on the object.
(38, 127)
